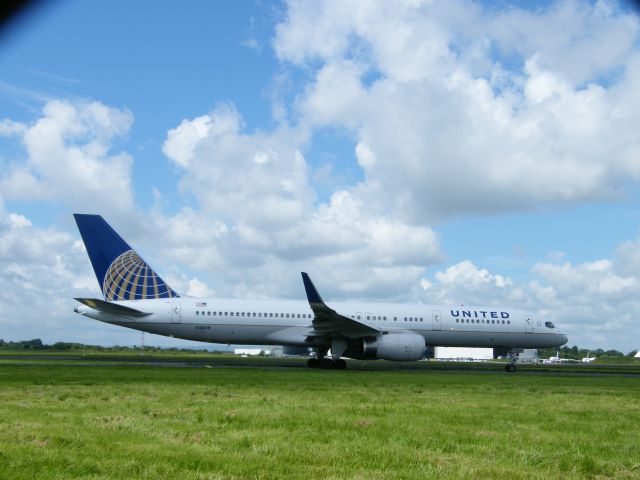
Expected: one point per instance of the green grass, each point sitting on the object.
(75, 421)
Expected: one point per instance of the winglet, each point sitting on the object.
(312, 294)
(328, 323)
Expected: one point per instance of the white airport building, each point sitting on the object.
(462, 353)
(477, 354)
(248, 352)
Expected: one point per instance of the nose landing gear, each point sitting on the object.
(511, 366)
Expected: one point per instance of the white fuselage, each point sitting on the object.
(289, 322)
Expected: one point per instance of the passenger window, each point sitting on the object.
(395, 319)
(508, 322)
(197, 312)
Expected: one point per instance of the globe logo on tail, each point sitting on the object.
(129, 277)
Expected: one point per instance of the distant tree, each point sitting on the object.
(632, 353)
(613, 353)
(36, 343)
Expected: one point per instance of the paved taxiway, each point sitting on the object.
(228, 361)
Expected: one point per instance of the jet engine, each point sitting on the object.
(402, 347)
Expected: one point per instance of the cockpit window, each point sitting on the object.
(549, 325)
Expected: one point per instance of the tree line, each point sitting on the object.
(38, 344)
(577, 353)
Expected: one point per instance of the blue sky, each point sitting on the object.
(458, 152)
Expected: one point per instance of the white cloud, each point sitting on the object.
(68, 158)
(182, 140)
(455, 128)
(258, 223)
(579, 40)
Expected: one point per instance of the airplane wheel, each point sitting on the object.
(510, 368)
(326, 363)
(339, 364)
(313, 363)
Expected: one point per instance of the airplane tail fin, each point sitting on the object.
(121, 272)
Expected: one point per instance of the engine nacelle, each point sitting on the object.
(402, 347)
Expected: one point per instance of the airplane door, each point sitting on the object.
(176, 312)
(528, 324)
(437, 320)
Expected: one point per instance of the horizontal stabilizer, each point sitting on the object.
(112, 308)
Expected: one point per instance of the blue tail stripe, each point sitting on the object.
(103, 244)
(120, 271)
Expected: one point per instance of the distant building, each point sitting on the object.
(463, 353)
(248, 352)
(528, 355)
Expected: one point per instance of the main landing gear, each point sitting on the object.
(327, 363)
(320, 359)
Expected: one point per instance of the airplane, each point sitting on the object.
(136, 297)
(559, 359)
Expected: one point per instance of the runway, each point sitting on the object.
(287, 363)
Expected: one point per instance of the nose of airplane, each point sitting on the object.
(562, 338)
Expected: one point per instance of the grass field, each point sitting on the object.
(137, 421)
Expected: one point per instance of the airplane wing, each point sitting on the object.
(329, 323)
(112, 308)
